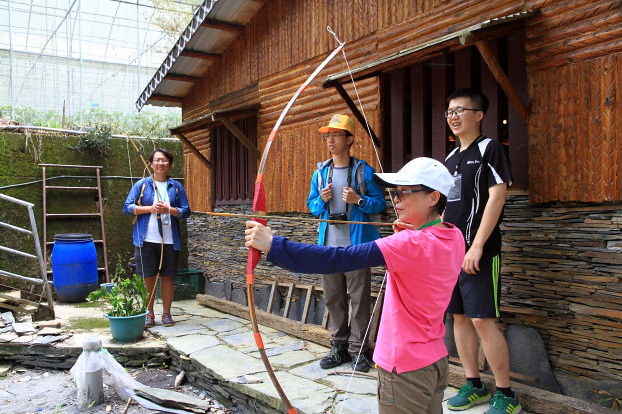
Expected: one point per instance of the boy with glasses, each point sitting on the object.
(342, 188)
(481, 174)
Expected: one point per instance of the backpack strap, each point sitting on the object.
(139, 202)
(360, 179)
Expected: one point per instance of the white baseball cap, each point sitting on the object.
(420, 171)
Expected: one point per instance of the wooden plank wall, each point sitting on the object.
(198, 177)
(286, 40)
(574, 57)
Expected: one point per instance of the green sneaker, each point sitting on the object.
(502, 404)
(468, 396)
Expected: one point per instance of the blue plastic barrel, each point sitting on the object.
(74, 266)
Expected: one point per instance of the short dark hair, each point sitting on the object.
(166, 153)
(480, 101)
(440, 205)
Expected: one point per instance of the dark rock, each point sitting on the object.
(295, 309)
(262, 296)
(239, 296)
(228, 289)
(216, 289)
(450, 342)
(590, 390)
(528, 356)
(316, 313)
(276, 304)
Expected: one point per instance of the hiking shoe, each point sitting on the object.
(362, 364)
(468, 396)
(502, 404)
(149, 320)
(167, 320)
(337, 355)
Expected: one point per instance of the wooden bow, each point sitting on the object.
(259, 209)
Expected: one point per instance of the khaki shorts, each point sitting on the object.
(413, 392)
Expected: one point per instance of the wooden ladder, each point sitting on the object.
(99, 215)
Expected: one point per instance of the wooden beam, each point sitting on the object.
(355, 110)
(193, 149)
(182, 78)
(222, 25)
(313, 333)
(206, 121)
(288, 300)
(238, 134)
(305, 309)
(503, 80)
(199, 55)
(271, 298)
(166, 98)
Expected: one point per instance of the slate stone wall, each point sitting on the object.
(561, 267)
(563, 262)
(216, 246)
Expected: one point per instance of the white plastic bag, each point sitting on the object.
(94, 358)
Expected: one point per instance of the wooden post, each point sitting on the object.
(502, 79)
(193, 149)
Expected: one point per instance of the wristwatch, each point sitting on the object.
(361, 202)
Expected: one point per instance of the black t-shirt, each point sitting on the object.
(476, 169)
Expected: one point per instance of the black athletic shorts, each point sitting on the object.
(477, 296)
(148, 258)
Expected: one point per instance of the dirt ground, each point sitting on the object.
(40, 391)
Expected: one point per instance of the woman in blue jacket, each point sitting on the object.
(158, 202)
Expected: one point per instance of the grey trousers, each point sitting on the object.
(336, 287)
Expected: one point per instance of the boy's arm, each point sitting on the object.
(375, 202)
(492, 212)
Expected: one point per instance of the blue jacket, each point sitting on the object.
(374, 202)
(177, 196)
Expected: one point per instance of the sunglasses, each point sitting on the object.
(395, 193)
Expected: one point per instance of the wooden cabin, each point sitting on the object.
(552, 71)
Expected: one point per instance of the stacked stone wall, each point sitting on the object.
(562, 265)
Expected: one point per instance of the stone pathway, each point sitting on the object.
(223, 345)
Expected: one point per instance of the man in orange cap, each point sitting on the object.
(343, 188)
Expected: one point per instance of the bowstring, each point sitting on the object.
(360, 104)
(129, 162)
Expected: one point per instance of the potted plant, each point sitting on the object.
(127, 303)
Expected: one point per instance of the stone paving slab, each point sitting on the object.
(292, 358)
(224, 346)
(222, 325)
(221, 348)
(355, 384)
(189, 344)
(227, 362)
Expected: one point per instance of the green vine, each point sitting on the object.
(145, 124)
(96, 139)
(610, 400)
